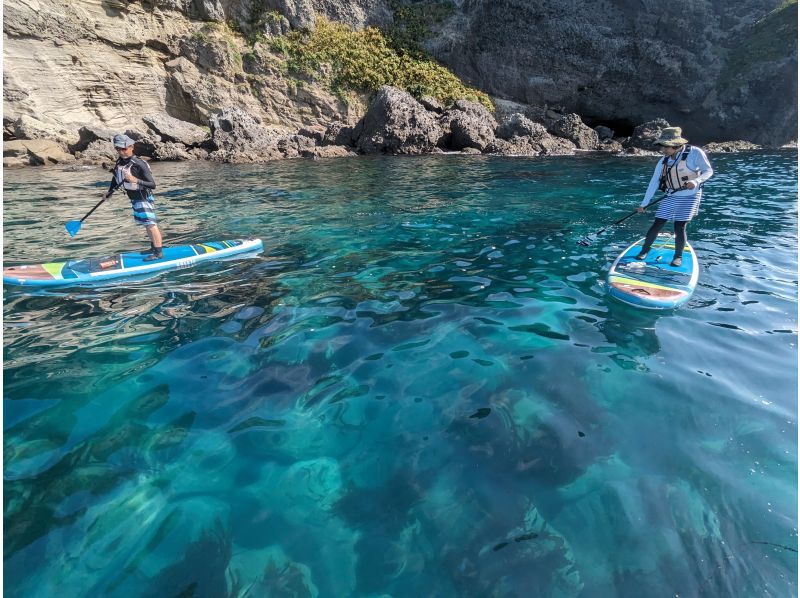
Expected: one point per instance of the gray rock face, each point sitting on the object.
(470, 125)
(99, 151)
(208, 10)
(730, 147)
(604, 133)
(36, 152)
(610, 145)
(338, 133)
(396, 123)
(571, 127)
(171, 151)
(175, 130)
(735, 74)
(89, 134)
(234, 130)
(518, 125)
(27, 127)
(469, 131)
(332, 151)
(645, 134)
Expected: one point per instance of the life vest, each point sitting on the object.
(120, 170)
(676, 176)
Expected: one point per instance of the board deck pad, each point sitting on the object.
(653, 283)
(94, 270)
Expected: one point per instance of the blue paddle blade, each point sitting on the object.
(73, 226)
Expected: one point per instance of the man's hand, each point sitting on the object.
(689, 185)
(640, 209)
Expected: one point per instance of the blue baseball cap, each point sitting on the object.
(122, 140)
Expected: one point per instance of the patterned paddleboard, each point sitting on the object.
(94, 270)
(653, 283)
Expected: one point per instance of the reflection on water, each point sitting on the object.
(420, 388)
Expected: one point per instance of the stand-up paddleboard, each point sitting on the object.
(652, 283)
(121, 265)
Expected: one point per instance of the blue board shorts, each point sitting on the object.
(144, 211)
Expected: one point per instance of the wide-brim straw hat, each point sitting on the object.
(671, 136)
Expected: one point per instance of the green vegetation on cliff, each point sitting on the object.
(412, 23)
(771, 39)
(364, 60)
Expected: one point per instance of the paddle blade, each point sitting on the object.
(73, 226)
(585, 242)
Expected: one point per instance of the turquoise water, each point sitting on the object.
(419, 389)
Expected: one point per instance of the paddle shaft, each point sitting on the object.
(99, 203)
(624, 218)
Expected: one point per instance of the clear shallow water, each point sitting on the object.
(420, 388)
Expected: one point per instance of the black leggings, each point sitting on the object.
(680, 235)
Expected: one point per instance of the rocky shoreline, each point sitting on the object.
(395, 123)
(253, 81)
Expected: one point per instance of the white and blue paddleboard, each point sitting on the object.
(652, 283)
(121, 265)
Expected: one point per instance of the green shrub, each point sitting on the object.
(365, 60)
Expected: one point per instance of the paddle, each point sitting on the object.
(589, 239)
(73, 226)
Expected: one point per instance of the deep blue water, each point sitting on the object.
(419, 389)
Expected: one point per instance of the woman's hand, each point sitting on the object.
(689, 185)
(640, 209)
(130, 178)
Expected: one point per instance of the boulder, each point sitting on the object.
(171, 151)
(238, 136)
(234, 129)
(730, 147)
(332, 151)
(198, 153)
(517, 125)
(144, 143)
(645, 134)
(300, 13)
(470, 125)
(610, 145)
(396, 123)
(208, 10)
(293, 146)
(99, 151)
(37, 152)
(604, 133)
(517, 146)
(570, 126)
(27, 127)
(89, 134)
(556, 146)
(338, 133)
(175, 130)
(432, 104)
(315, 133)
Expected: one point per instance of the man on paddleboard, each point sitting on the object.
(134, 175)
(681, 174)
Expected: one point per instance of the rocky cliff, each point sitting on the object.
(721, 70)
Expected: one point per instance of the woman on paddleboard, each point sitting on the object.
(681, 174)
(134, 175)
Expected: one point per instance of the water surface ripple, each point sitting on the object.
(419, 389)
